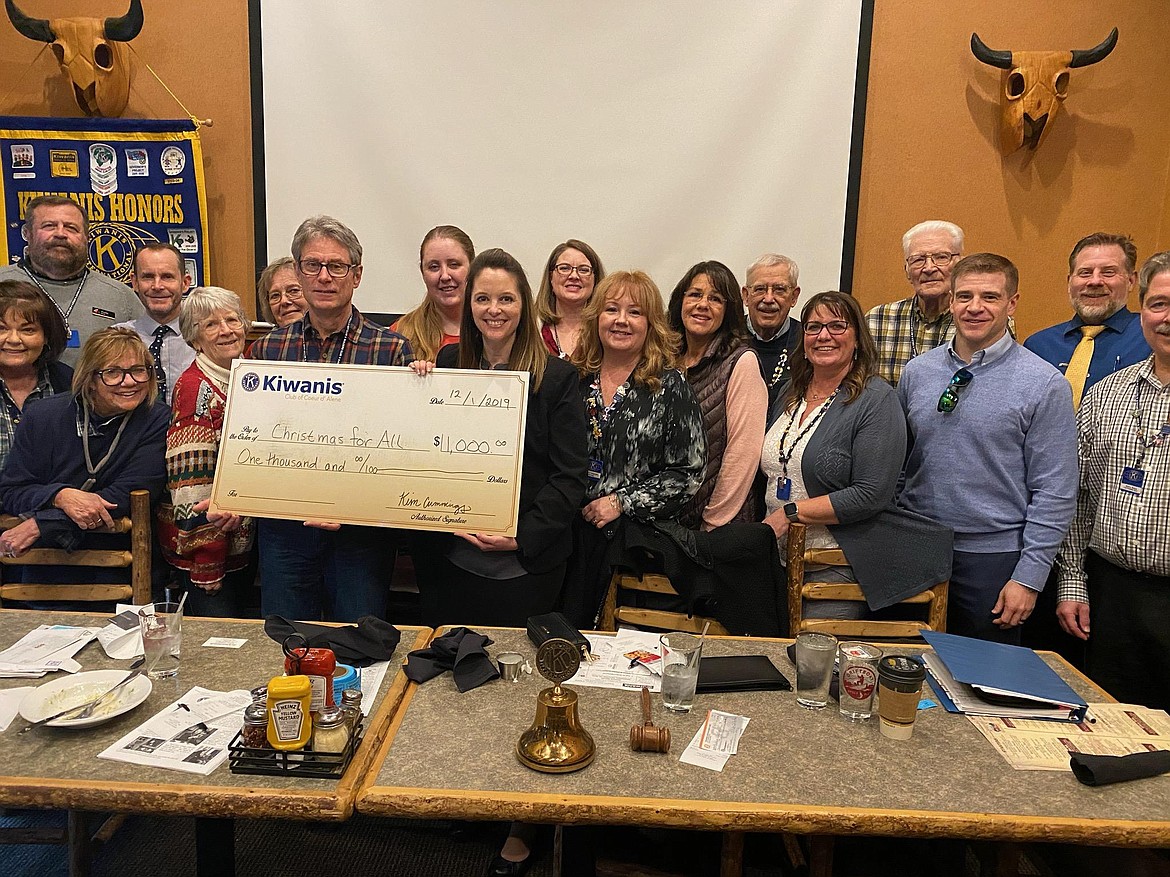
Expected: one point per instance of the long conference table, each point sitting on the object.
(432, 752)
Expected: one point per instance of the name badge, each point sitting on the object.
(74, 338)
(784, 488)
(1132, 480)
(596, 469)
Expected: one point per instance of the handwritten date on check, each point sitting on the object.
(373, 445)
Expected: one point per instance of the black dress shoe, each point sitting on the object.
(501, 867)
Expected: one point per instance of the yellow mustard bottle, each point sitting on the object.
(290, 723)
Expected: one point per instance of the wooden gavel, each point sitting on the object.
(646, 737)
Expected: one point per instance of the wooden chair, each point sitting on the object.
(656, 619)
(76, 835)
(935, 598)
(137, 558)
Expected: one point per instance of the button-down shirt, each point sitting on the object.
(8, 423)
(177, 354)
(901, 331)
(1120, 345)
(1130, 530)
(366, 343)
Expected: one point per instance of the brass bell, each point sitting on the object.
(556, 742)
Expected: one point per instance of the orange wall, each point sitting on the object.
(202, 55)
(931, 150)
(930, 138)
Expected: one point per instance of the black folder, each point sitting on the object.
(740, 673)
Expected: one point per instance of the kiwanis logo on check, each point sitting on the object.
(280, 384)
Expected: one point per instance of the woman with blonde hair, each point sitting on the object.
(647, 447)
(444, 259)
(77, 456)
(570, 276)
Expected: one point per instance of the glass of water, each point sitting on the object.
(162, 639)
(680, 670)
(815, 653)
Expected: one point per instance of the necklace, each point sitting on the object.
(76, 295)
(340, 347)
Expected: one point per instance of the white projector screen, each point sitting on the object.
(661, 133)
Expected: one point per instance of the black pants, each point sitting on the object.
(1129, 633)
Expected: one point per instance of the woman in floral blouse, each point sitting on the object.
(647, 446)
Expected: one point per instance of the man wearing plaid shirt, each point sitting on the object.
(903, 329)
(311, 571)
(1117, 554)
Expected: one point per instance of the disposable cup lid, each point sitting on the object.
(901, 668)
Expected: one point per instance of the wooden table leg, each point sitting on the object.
(731, 856)
(215, 847)
(80, 848)
(820, 855)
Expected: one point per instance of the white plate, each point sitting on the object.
(80, 688)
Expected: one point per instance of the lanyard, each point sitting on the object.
(89, 466)
(786, 456)
(76, 295)
(1154, 441)
(340, 347)
(599, 412)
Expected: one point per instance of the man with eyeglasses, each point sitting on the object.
(160, 280)
(769, 296)
(1116, 558)
(1103, 336)
(325, 571)
(992, 455)
(56, 261)
(904, 329)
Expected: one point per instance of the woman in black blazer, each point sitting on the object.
(482, 579)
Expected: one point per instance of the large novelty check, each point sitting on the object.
(374, 445)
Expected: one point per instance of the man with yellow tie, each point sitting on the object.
(1104, 336)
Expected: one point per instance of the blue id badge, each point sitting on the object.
(1132, 479)
(595, 470)
(784, 489)
(74, 339)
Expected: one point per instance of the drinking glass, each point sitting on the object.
(815, 653)
(680, 670)
(162, 639)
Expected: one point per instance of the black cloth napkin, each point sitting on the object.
(358, 645)
(1101, 770)
(462, 651)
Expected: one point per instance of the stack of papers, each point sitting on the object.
(615, 655)
(715, 741)
(980, 678)
(191, 735)
(48, 648)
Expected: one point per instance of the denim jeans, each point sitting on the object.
(308, 574)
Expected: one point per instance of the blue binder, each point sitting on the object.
(998, 669)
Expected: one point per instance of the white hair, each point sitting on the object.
(201, 303)
(950, 228)
(770, 260)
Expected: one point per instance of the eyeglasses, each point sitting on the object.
(232, 323)
(777, 289)
(694, 296)
(565, 269)
(312, 267)
(836, 327)
(940, 260)
(949, 400)
(114, 375)
(293, 294)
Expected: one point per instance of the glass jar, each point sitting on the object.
(254, 733)
(351, 707)
(330, 732)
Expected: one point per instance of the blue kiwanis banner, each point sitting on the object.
(138, 180)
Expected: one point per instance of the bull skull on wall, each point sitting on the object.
(91, 52)
(1034, 86)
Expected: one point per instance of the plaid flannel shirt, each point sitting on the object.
(366, 344)
(890, 324)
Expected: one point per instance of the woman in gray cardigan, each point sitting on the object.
(833, 454)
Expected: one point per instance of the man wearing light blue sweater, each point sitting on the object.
(993, 453)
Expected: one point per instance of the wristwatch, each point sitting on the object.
(791, 513)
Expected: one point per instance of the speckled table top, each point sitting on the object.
(452, 755)
(59, 767)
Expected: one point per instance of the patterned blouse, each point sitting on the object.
(650, 447)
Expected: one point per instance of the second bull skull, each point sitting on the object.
(1034, 86)
(91, 52)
